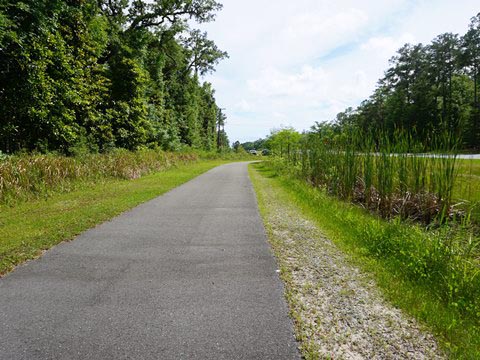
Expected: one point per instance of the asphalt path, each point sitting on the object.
(188, 275)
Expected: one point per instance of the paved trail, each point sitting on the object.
(188, 275)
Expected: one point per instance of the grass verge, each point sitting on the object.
(354, 231)
(31, 227)
(467, 186)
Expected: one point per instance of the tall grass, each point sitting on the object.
(467, 186)
(24, 177)
(384, 176)
(393, 179)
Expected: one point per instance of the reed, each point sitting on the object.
(386, 176)
(395, 179)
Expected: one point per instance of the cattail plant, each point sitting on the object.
(389, 175)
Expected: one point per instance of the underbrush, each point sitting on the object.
(442, 262)
(29, 176)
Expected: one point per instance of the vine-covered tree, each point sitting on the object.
(106, 73)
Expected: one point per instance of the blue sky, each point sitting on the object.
(296, 62)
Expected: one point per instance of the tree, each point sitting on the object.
(428, 90)
(284, 141)
(50, 73)
(443, 55)
(237, 146)
(106, 73)
(222, 140)
(470, 60)
(202, 53)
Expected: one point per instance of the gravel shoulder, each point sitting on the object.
(338, 311)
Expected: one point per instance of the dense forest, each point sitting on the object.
(102, 74)
(429, 90)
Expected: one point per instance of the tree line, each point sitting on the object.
(101, 74)
(429, 96)
(428, 90)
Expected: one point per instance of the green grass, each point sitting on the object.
(403, 259)
(31, 227)
(467, 186)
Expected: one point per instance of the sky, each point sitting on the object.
(296, 62)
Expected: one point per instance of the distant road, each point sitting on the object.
(459, 156)
(188, 275)
(469, 157)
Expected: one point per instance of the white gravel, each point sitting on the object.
(339, 312)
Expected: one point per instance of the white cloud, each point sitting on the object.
(297, 62)
(316, 33)
(309, 24)
(274, 83)
(279, 116)
(243, 106)
(386, 46)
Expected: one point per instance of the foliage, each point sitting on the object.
(105, 74)
(428, 89)
(259, 144)
(223, 144)
(284, 142)
(32, 176)
(393, 178)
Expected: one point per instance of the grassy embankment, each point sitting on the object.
(467, 186)
(48, 199)
(431, 274)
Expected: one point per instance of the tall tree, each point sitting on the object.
(106, 73)
(443, 53)
(471, 61)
